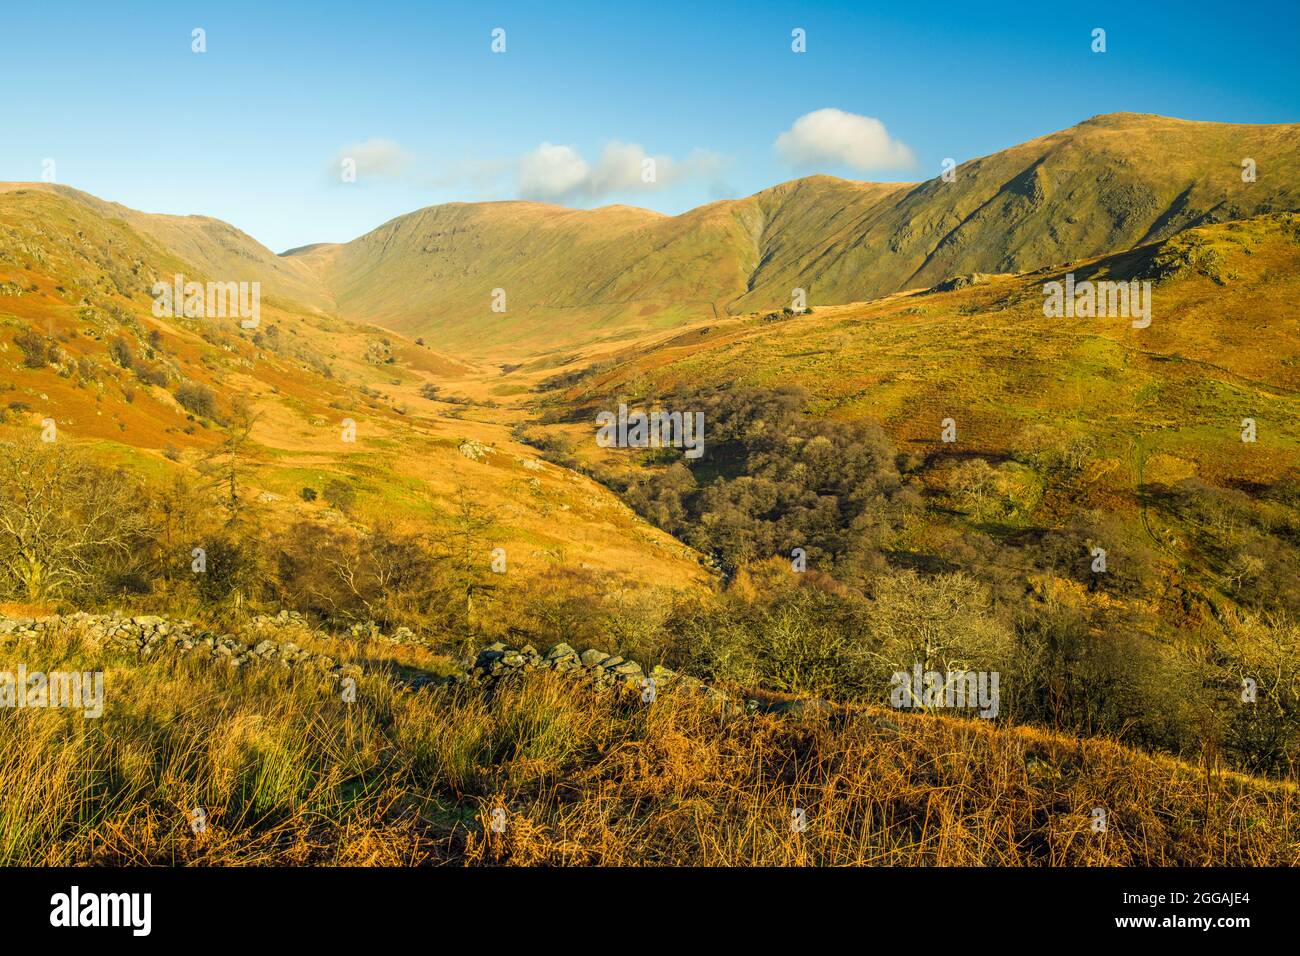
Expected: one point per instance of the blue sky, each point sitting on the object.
(254, 131)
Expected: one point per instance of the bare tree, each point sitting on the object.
(942, 623)
(64, 521)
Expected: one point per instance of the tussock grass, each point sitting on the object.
(288, 773)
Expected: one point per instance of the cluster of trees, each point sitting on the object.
(931, 539)
(78, 533)
(1076, 668)
(775, 479)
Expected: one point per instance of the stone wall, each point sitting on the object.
(498, 662)
(147, 636)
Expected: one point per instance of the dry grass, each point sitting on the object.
(289, 774)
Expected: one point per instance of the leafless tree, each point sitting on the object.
(64, 520)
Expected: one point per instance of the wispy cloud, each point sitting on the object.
(835, 137)
(561, 174)
(550, 172)
(373, 159)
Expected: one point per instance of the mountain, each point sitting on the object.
(571, 276)
(208, 245)
(1168, 453)
(1184, 435)
(79, 344)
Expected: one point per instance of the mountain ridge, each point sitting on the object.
(570, 276)
(1109, 183)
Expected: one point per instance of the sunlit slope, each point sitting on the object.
(209, 245)
(74, 288)
(1109, 183)
(568, 276)
(574, 276)
(1223, 344)
(1075, 416)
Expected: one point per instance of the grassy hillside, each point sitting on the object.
(1222, 346)
(79, 345)
(825, 433)
(544, 772)
(206, 245)
(572, 276)
(1110, 183)
(575, 277)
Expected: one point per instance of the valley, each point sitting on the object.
(931, 466)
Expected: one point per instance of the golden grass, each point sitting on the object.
(288, 773)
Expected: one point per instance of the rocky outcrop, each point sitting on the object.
(958, 282)
(473, 450)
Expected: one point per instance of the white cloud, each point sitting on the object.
(551, 172)
(847, 139)
(560, 174)
(620, 168)
(379, 159)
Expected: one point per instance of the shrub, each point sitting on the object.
(119, 350)
(232, 570)
(197, 398)
(70, 526)
(340, 495)
(35, 348)
(1263, 733)
(150, 374)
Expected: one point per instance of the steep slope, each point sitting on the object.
(209, 245)
(571, 276)
(79, 345)
(1183, 434)
(1109, 183)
